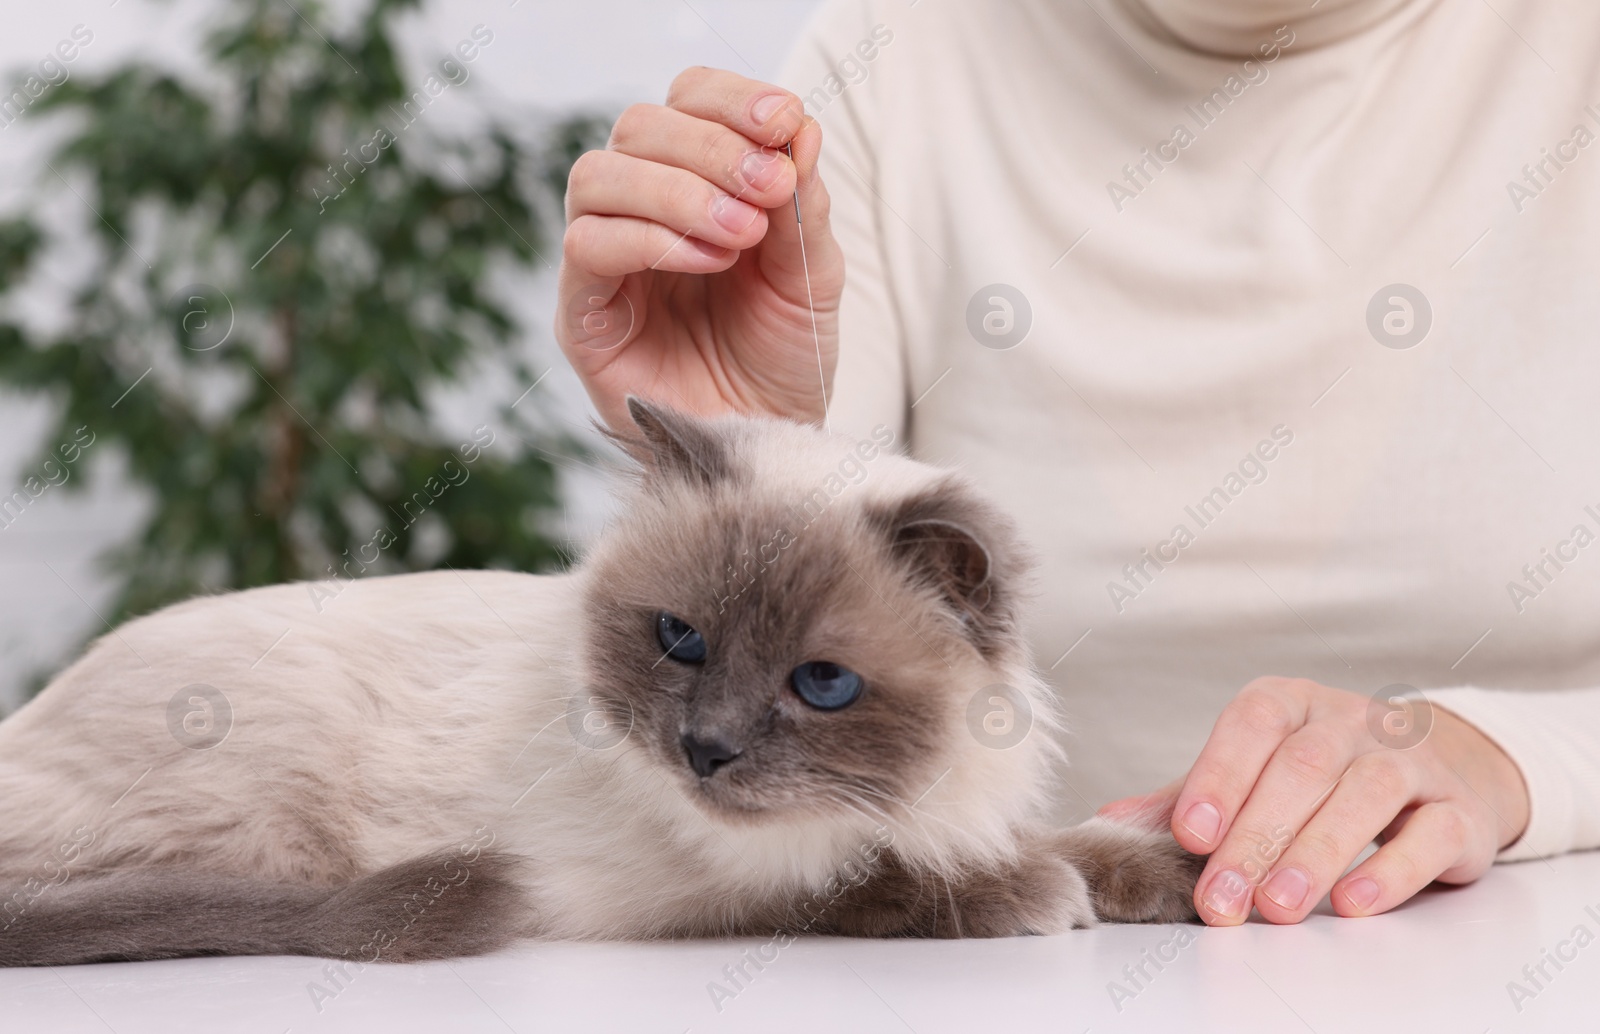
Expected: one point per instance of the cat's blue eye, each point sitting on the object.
(825, 685)
(681, 642)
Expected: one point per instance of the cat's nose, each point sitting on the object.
(708, 755)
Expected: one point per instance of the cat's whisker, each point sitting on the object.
(865, 800)
(878, 812)
(866, 809)
(908, 812)
(878, 791)
(860, 811)
(911, 823)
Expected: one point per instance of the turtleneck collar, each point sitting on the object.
(1235, 28)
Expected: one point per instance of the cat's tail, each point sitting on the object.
(433, 907)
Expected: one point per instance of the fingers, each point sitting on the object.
(1302, 772)
(762, 176)
(699, 186)
(609, 246)
(594, 312)
(765, 113)
(1289, 790)
(685, 188)
(1437, 842)
(613, 184)
(1246, 736)
(593, 315)
(1377, 787)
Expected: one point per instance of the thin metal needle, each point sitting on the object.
(805, 267)
(789, 148)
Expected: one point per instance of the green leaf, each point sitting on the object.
(285, 274)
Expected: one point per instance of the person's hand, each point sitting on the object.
(681, 273)
(1293, 784)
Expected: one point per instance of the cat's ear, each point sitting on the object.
(951, 558)
(674, 445)
(935, 537)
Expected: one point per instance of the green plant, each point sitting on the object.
(285, 274)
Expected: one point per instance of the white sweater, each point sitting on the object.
(1228, 466)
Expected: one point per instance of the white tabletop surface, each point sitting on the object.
(1439, 964)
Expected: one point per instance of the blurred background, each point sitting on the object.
(276, 284)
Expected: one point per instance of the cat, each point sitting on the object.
(766, 700)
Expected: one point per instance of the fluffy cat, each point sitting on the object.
(768, 699)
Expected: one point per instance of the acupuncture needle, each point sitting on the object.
(789, 148)
(805, 267)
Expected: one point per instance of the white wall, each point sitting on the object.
(593, 54)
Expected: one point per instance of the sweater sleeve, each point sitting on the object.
(1554, 738)
(836, 69)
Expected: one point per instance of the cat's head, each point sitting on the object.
(801, 627)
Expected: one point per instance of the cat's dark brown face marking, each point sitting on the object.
(900, 592)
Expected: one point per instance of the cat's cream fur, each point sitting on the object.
(489, 721)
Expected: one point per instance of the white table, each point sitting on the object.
(1441, 963)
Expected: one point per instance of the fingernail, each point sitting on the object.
(766, 107)
(1227, 894)
(732, 214)
(760, 169)
(1287, 888)
(1203, 820)
(1361, 893)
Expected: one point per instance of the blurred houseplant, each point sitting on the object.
(285, 270)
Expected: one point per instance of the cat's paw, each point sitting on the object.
(1134, 875)
(1036, 892)
(1042, 894)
